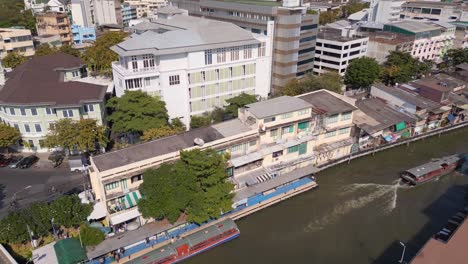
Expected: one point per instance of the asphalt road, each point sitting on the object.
(41, 178)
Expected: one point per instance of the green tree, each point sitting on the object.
(329, 16)
(38, 216)
(453, 57)
(14, 59)
(353, 7)
(160, 132)
(99, 57)
(45, 49)
(8, 135)
(401, 67)
(13, 228)
(331, 81)
(167, 191)
(67, 49)
(237, 102)
(200, 120)
(91, 236)
(63, 133)
(178, 124)
(68, 211)
(213, 195)
(13, 14)
(90, 135)
(136, 112)
(362, 72)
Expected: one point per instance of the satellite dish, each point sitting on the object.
(199, 142)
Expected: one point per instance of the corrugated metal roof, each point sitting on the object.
(277, 106)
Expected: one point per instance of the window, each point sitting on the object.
(235, 53)
(303, 51)
(208, 57)
(269, 119)
(75, 73)
(273, 132)
(174, 79)
(344, 131)
(88, 108)
(293, 149)
(148, 81)
(332, 119)
(308, 27)
(38, 127)
(287, 115)
(23, 111)
(277, 154)
(134, 63)
(247, 52)
(133, 83)
(305, 61)
(221, 55)
(136, 178)
(236, 147)
(67, 113)
(303, 125)
(12, 111)
(111, 185)
(148, 61)
(330, 134)
(33, 111)
(307, 39)
(48, 110)
(16, 126)
(345, 116)
(303, 112)
(286, 130)
(27, 128)
(261, 49)
(253, 143)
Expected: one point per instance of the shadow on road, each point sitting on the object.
(2, 195)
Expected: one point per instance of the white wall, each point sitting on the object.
(104, 12)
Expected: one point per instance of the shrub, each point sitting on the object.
(91, 236)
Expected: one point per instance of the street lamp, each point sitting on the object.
(53, 228)
(403, 253)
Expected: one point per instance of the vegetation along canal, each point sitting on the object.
(358, 215)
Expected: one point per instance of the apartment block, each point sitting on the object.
(107, 12)
(335, 51)
(433, 11)
(384, 11)
(82, 13)
(269, 139)
(54, 23)
(45, 89)
(83, 34)
(146, 8)
(16, 40)
(193, 64)
(129, 12)
(294, 30)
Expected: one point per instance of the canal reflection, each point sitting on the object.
(358, 215)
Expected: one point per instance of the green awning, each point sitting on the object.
(406, 134)
(131, 199)
(69, 251)
(400, 126)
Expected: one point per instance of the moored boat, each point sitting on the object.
(431, 170)
(184, 248)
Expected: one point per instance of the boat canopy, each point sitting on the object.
(433, 165)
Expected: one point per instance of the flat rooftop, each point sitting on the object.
(375, 116)
(414, 26)
(453, 252)
(167, 145)
(277, 106)
(428, 4)
(254, 2)
(324, 102)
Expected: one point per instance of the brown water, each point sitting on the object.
(358, 215)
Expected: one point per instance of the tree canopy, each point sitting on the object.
(453, 57)
(99, 57)
(401, 67)
(12, 13)
(45, 49)
(331, 81)
(362, 72)
(90, 236)
(83, 135)
(237, 102)
(201, 120)
(195, 185)
(13, 59)
(159, 132)
(136, 112)
(8, 135)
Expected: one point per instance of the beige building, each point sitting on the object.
(269, 139)
(54, 23)
(44, 90)
(146, 8)
(16, 40)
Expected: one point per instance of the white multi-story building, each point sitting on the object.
(82, 13)
(44, 90)
(335, 50)
(384, 11)
(194, 64)
(433, 11)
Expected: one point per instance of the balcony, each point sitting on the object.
(125, 72)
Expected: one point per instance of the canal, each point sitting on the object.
(358, 215)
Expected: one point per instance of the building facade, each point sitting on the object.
(294, 33)
(129, 12)
(83, 35)
(54, 23)
(16, 40)
(107, 12)
(267, 140)
(81, 11)
(193, 64)
(384, 11)
(44, 90)
(146, 8)
(334, 52)
(433, 11)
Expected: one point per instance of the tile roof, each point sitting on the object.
(37, 81)
(325, 102)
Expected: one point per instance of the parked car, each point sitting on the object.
(57, 157)
(27, 162)
(5, 161)
(15, 160)
(76, 164)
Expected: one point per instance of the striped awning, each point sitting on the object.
(131, 199)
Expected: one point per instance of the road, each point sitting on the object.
(41, 178)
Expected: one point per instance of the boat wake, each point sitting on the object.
(363, 195)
